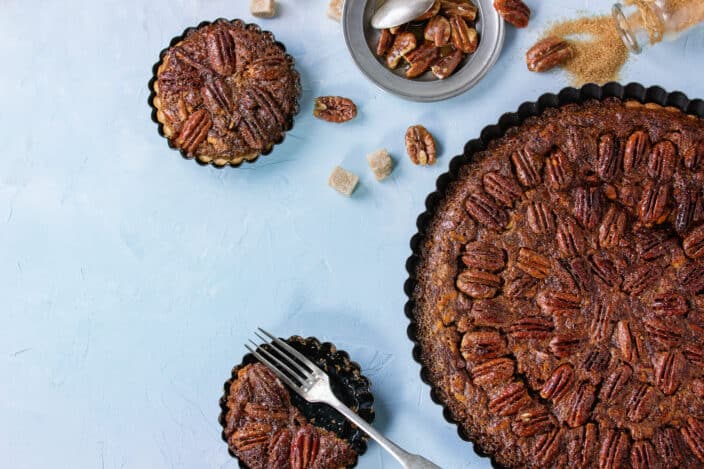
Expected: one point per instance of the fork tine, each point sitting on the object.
(285, 357)
(278, 361)
(288, 349)
(283, 376)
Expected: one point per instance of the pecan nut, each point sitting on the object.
(689, 210)
(527, 166)
(641, 278)
(563, 346)
(386, 40)
(438, 31)
(604, 269)
(640, 403)
(694, 156)
(614, 448)
(636, 151)
(531, 422)
(570, 240)
(434, 10)
(221, 51)
(194, 131)
(625, 341)
(583, 448)
(693, 244)
(668, 371)
(547, 446)
(279, 449)
(654, 204)
(670, 304)
(692, 277)
(602, 323)
(421, 59)
(643, 455)
(662, 161)
(533, 263)
(464, 37)
(612, 228)
(514, 12)
(510, 399)
(578, 406)
(403, 44)
(548, 53)
(334, 109)
(268, 68)
(531, 328)
(251, 436)
(504, 189)
(481, 346)
(420, 145)
(615, 382)
(484, 256)
(304, 447)
(693, 435)
(588, 206)
(462, 8)
(556, 387)
(478, 284)
(609, 162)
(540, 218)
(493, 372)
(447, 65)
(559, 303)
(670, 446)
(558, 173)
(523, 286)
(485, 211)
(668, 333)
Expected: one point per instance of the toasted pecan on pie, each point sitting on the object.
(558, 296)
(226, 93)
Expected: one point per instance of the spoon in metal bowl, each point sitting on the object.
(397, 12)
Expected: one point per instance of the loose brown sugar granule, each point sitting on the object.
(599, 52)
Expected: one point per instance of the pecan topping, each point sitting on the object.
(582, 449)
(421, 59)
(533, 263)
(652, 244)
(304, 448)
(547, 446)
(485, 211)
(264, 412)
(588, 204)
(268, 68)
(604, 269)
(523, 286)
(221, 51)
(612, 228)
(420, 145)
(668, 371)
(601, 325)
(559, 303)
(493, 372)
(447, 65)
(540, 218)
(666, 333)
(625, 340)
(478, 283)
(570, 240)
(692, 277)
(582, 273)
(670, 446)
(693, 244)
(502, 188)
(548, 53)
(579, 405)
(694, 354)
(558, 173)
(558, 384)
(662, 161)
(563, 346)
(614, 447)
(531, 328)
(482, 345)
(509, 400)
(250, 436)
(463, 37)
(483, 256)
(689, 210)
(640, 403)
(438, 31)
(595, 363)
(194, 131)
(693, 435)
(527, 167)
(334, 109)
(487, 314)
(609, 162)
(403, 44)
(279, 449)
(535, 421)
(637, 149)
(514, 12)
(670, 304)
(694, 156)
(641, 278)
(643, 455)
(615, 382)
(220, 99)
(386, 40)
(653, 208)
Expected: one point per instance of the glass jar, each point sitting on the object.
(646, 22)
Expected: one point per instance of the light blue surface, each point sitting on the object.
(130, 278)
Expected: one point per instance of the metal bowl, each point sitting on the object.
(361, 39)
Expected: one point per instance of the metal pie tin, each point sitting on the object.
(361, 39)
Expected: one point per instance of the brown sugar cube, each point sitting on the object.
(335, 9)
(380, 163)
(343, 181)
(263, 8)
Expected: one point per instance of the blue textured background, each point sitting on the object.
(130, 278)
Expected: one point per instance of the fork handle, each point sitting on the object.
(407, 460)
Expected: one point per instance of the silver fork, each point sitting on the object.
(313, 384)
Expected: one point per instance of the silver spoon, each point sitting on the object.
(397, 12)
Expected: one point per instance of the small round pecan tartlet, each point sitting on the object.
(225, 92)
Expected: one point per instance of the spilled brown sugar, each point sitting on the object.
(599, 52)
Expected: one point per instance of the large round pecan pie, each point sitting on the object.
(557, 297)
(227, 92)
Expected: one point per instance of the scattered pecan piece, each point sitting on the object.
(334, 109)
(420, 145)
(548, 53)
(515, 12)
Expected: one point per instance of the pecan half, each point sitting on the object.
(531, 328)
(582, 449)
(420, 145)
(641, 402)
(612, 227)
(403, 44)
(641, 278)
(480, 346)
(668, 333)
(563, 345)
(527, 167)
(515, 12)
(504, 189)
(540, 218)
(462, 8)
(421, 59)
(478, 283)
(692, 277)
(609, 161)
(386, 40)
(304, 447)
(548, 53)
(268, 68)
(694, 156)
(614, 448)
(221, 51)
(693, 435)
(488, 314)
(194, 131)
(250, 436)
(615, 382)
(602, 322)
(670, 446)
(464, 37)
(484, 256)
(533, 263)
(662, 161)
(547, 446)
(694, 354)
(636, 152)
(447, 65)
(509, 399)
(693, 244)
(438, 31)
(484, 210)
(625, 341)
(652, 244)
(558, 173)
(534, 421)
(643, 455)
(578, 406)
(668, 371)
(670, 304)
(493, 372)
(219, 98)
(588, 206)
(334, 109)
(523, 286)
(280, 449)
(556, 387)
(689, 209)
(654, 204)
(559, 303)
(595, 363)
(604, 269)
(570, 240)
